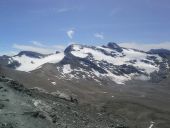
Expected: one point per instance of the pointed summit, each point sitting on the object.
(114, 46)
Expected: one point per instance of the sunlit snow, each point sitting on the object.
(29, 63)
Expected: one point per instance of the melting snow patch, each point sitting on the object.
(151, 124)
(98, 74)
(67, 69)
(118, 79)
(36, 102)
(54, 83)
(61, 95)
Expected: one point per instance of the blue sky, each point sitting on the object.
(53, 24)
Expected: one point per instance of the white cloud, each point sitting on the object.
(39, 47)
(9, 53)
(99, 35)
(70, 33)
(46, 49)
(33, 48)
(36, 43)
(146, 46)
(60, 47)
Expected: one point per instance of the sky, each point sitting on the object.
(49, 25)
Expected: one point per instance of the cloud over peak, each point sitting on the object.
(36, 46)
(146, 46)
(70, 33)
(36, 43)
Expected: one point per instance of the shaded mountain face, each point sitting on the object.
(114, 46)
(162, 52)
(4, 60)
(31, 54)
(101, 64)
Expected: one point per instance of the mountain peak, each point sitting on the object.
(73, 47)
(31, 54)
(114, 46)
(161, 52)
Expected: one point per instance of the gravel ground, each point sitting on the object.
(34, 108)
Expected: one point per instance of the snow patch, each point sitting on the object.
(151, 124)
(36, 102)
(54, 83)
(30, 64)
(98, 74)
(67, 69)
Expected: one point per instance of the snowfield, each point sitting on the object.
(120, 59)
(111, 56)
(28, 64)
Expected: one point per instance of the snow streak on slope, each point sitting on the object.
(67, 69)
(28, 63)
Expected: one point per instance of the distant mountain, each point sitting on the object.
(161, 52)
(28, 60)
(108, 63)
(31, 54)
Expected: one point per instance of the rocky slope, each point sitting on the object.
(21, 107)
(25, 108)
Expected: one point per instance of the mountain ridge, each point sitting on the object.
(110, 63)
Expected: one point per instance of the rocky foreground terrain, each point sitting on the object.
(29, 108)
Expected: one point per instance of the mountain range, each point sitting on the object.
(108, 63)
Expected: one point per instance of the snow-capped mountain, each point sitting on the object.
(97, 63)
(28, 61)
(109, 62)
(162, 52)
